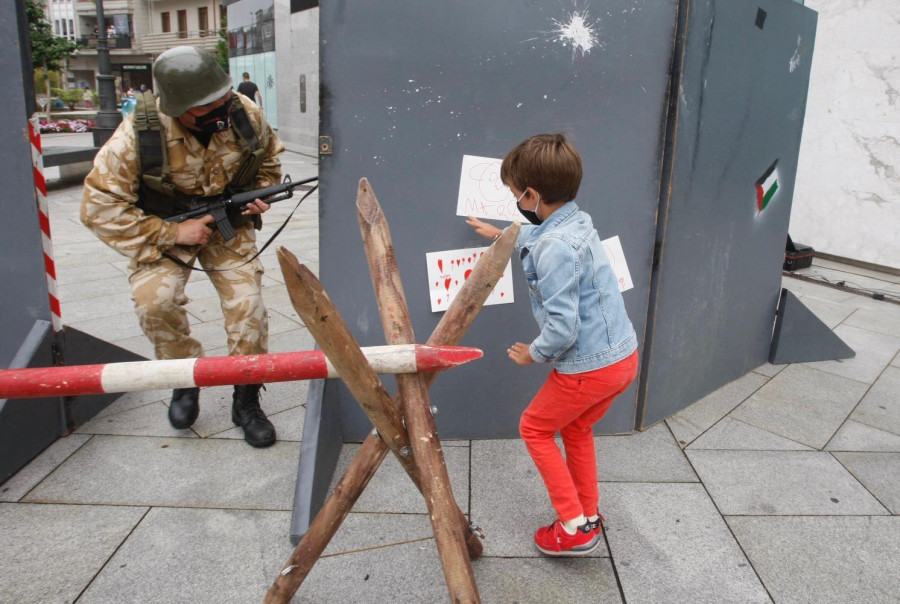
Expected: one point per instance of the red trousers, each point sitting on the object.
(571, 404)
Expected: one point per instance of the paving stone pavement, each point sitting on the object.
(781, 486)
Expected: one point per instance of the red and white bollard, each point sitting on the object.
(40, 190)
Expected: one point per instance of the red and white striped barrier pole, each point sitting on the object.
(40, 190)
(219, 371)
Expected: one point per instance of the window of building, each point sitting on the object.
(203, 20)
(166, 23)
(182, 24)
(71, 29)
(65, 29)
(56, 26)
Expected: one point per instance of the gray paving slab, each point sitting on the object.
(291, 341)
(133, 400)
(138, 344)
(670, 544)
(831, 314)
(781, 483)
(769, 370)
(824, 560)
(110, 328)
(87, 309)
(691, 422)
(896, 361)
(84, 289)
(50, 553)
(161, 561)
(185, 472)
(369, 531)
(877, 471)
(884, 320)
(509, 499)
(391, 490)
(874, 352)
(880, 407)
(854, 436)
(147, 420)
(17, 485)
(649, 456)
(543, 580)
(101, 272)
(408, 573)
(730, 433)
(802, 404)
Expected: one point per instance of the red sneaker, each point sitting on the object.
(597, 525)
(554, 540)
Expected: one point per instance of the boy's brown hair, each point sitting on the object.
(548, 163)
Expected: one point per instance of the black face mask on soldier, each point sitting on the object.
(530, 215)
(217, 120)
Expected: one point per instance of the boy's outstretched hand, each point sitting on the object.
(482, 228)
(518, 354)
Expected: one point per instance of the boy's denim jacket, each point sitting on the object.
(574, 294)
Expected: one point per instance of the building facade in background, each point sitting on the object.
(137, 32)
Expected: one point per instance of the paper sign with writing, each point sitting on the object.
(481, 192)
(448, 271)
(613, 249)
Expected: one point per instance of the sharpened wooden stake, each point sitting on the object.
(457, 319)
(447, 521)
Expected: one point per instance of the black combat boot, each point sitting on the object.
(246, 413)
(184, 408)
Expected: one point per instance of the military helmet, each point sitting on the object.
(187, 76)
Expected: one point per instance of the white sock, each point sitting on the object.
(572, 525)
(594, 518)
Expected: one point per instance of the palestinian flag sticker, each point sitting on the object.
(766, 187)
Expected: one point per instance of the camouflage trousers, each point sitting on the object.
(157, 289)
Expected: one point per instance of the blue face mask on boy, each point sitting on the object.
(530, 215)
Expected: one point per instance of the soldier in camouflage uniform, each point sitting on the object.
(196, 111)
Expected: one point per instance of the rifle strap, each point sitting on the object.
(184, 264)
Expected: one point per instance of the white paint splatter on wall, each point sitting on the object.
(577, 32)
(795, 60)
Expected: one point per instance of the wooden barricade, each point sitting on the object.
(418, 450)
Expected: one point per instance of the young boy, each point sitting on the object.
(585, 334)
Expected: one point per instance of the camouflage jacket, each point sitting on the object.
(111, 188)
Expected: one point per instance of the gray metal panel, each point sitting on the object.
(21, 260)
(410, 87)
(741, 106)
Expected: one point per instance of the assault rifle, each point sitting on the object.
(220, 207)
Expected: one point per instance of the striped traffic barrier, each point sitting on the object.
(219, 371)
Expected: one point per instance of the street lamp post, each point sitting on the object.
(108, 119)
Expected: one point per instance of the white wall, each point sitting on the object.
(847, 195)
(297, 47)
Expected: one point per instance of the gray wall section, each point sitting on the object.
(408, 88)
(740, 108)
(24, 300)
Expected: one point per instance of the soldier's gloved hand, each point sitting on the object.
(194, 231)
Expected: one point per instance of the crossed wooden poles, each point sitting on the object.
(416, 445)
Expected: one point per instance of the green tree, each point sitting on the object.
(47, 51)
(222, 44)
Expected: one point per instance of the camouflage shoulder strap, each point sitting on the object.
(245, 176)
(151, 145)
